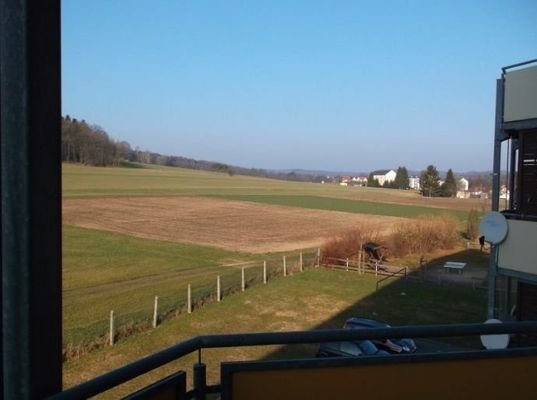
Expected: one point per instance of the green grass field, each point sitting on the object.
(96, 181)
(318, 298)
(347, 205)
(104, 271)
(167, 181)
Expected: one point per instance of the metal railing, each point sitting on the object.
(123, 374)
(403, 272)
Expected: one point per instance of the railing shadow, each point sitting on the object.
(427, 294)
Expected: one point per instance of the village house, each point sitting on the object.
(462, 184)
(414, 182)
(462, 188)
(384, 175)
(359, 180)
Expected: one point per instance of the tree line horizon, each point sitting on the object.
(89, 144)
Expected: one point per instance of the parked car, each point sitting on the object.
(394, 346)
(349, 349)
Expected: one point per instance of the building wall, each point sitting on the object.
(388, 177)
(462, 184)
(518, 252)
(414, 182)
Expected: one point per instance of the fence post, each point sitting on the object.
(264, 272)
(301, 267)
(318, 256)
(189, 299)
(218, 294)
(112, 333)
(360, 262)
(376, 268)
(362, 258)
(284, 266)
(242, 279)
(347, 266)
(155, 313)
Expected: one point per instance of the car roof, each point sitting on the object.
(366, 322)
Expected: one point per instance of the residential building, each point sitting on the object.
(414, 182)
(384, 175)
(359, 180)
(462, 184)
(513, 270)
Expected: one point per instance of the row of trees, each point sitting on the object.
(90, 145)
(430, 183)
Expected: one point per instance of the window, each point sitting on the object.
(527, 181)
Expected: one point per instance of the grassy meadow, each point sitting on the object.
(348, 205)
(83, 181)
(104, 271)
(317, 298)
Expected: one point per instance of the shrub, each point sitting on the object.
(472, 225)
(424, 234)
(347, 244)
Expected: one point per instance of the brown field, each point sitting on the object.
(228, 224)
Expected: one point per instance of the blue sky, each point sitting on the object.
(333, 85)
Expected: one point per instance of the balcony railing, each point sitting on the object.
(197, 344)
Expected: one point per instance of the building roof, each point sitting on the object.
(381, 171)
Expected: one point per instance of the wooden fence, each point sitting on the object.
(370, 267)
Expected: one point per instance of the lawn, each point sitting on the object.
(318, 298)
(106, 271)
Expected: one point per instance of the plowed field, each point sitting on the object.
(233, 225)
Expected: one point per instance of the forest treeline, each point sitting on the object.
(90, 145)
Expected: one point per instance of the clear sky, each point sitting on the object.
(333, 85)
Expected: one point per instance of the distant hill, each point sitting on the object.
(322, 173)
(90, 145)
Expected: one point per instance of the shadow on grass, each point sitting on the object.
(431, 294)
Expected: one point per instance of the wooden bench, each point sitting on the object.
(452, 265)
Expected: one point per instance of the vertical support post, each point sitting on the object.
(512, 169)
(499, 136)
(507, 307)
(301, 263)
(361, 258)
(218, 291)
(264, 272)
(242, 279)
(30, 194)
(318, 257)
(376, 268)
(189, 299)
(155, 312)
(200, 380)
(284, 266)
(347, 265)
(112, 329)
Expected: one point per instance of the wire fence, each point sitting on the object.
(128, 314)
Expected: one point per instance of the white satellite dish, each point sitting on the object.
(493, 227)
(494, 342)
